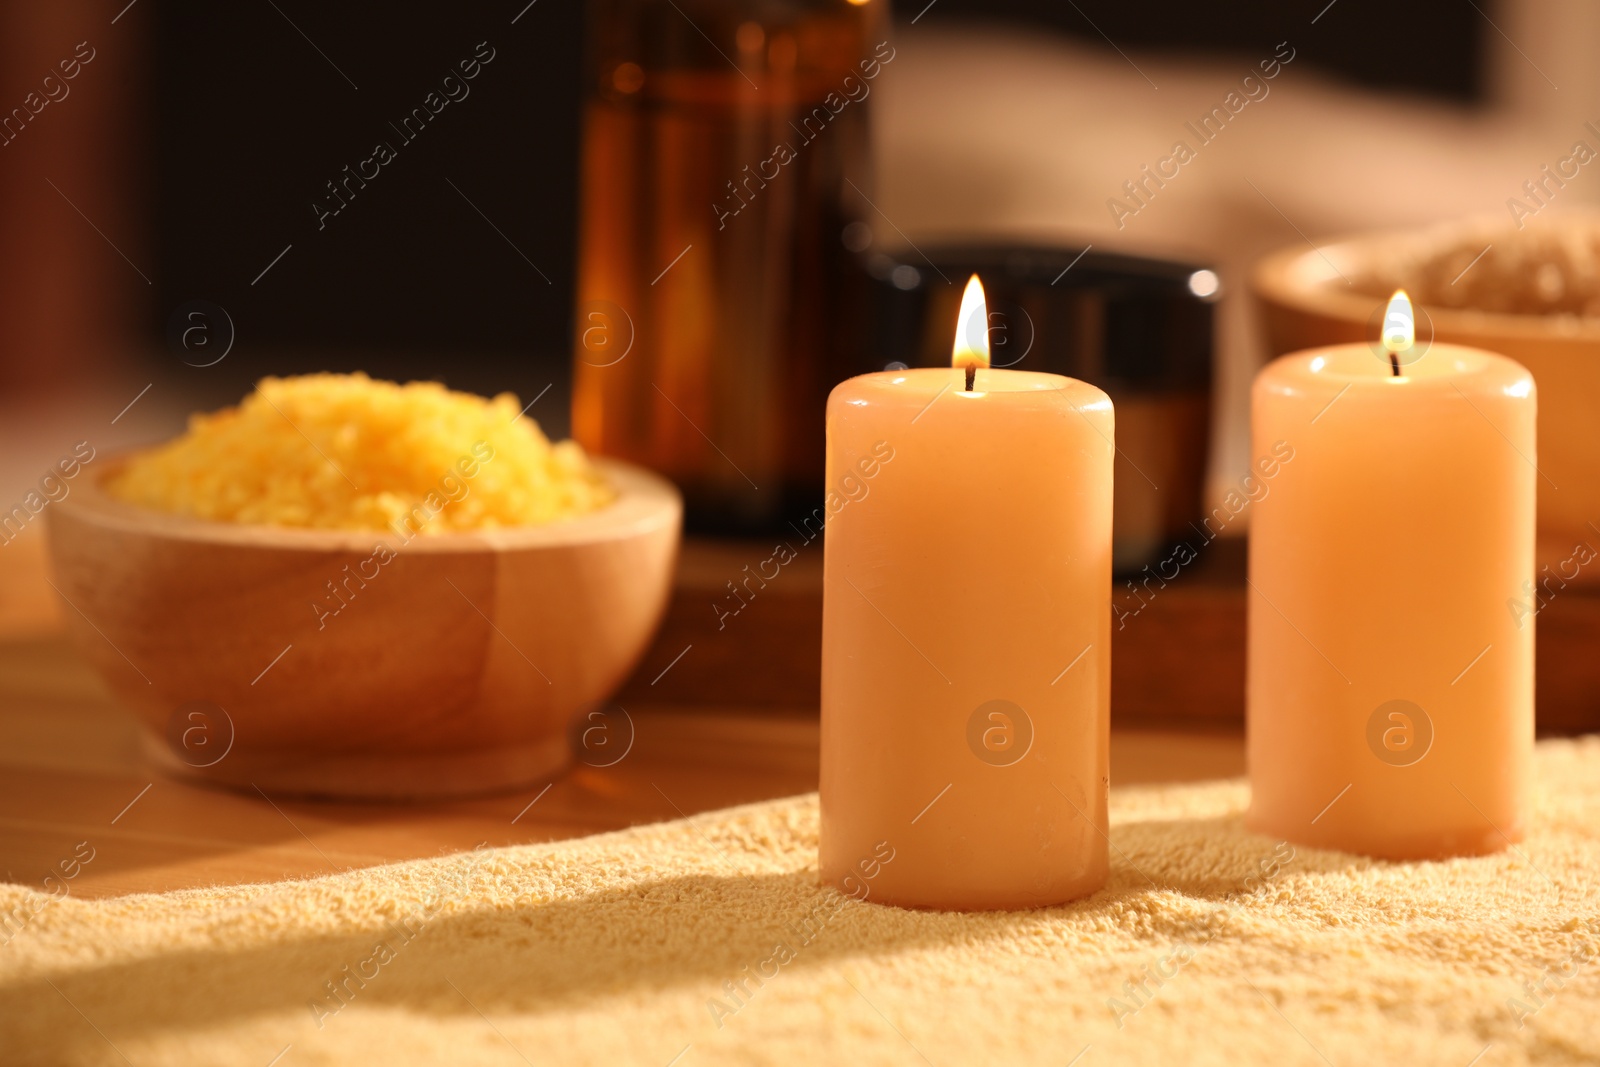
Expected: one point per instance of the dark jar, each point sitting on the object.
(725, 153)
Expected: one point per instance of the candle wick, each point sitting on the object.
(972, 373)
(1394, 361)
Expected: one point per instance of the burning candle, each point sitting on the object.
(1390, 682)
(966, 633)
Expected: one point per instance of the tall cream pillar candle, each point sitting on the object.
(966, 635)
(1390, 691)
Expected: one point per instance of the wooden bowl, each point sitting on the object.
(354, 664)
(1305, 303)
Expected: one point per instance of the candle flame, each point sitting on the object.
(1399, 324)
(971, 349)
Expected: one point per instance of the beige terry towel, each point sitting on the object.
(707, 941)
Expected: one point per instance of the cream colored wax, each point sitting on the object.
(1390, 689)
(966, 639)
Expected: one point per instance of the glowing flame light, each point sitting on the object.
(1399, 323)
(971, 348)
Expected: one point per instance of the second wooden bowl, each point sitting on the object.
(355, 664)
(1306, 303)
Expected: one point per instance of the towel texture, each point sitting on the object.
(708, 941)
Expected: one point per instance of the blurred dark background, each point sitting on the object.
(1367, 42)
(463, 246)
(198, 140)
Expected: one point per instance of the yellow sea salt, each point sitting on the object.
(343, 451)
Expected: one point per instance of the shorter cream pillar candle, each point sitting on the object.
(1390, 678)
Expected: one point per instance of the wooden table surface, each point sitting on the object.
(73, 772)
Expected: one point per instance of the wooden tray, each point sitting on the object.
(1177, 661)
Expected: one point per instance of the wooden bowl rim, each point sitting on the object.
(1281, 278)
(645, 502)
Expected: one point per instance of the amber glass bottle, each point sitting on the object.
(724, 155)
